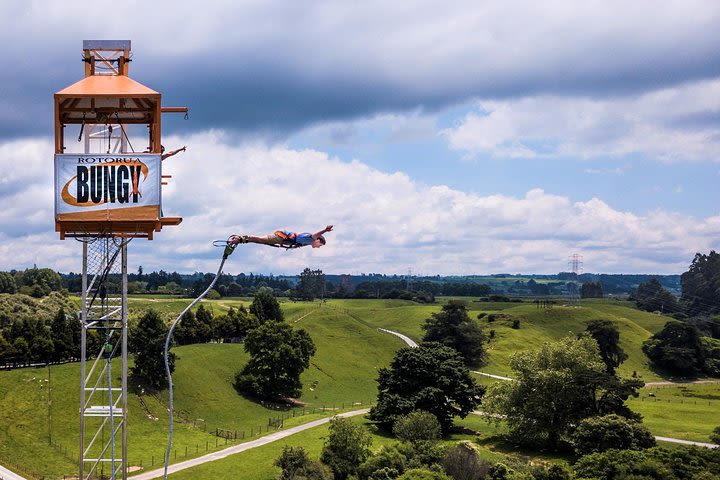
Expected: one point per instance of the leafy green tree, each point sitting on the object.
(312, 284)
(20, 352)
(417, 426)
(41, 346)
(389, 463)
(7, 283)
(346, 447)
(5, 350)
(39, 282)
(715, 435)
(423, 474)
(555, 388)
(453, 328)
(677, 347)
(186, 331)
(701, 284)
(607, 336)
(147, 341)
(652, 297)
(65, 330)
(433, 378)
(597, 434)
(205, 324)
(591, 290)
(266, 307)
(278, 355)
(297, 465)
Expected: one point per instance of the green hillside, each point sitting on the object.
(350, 349)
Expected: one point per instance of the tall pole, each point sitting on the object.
(124, 346)
(83, 349)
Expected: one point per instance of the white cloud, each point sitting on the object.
(672, 124)
(385, 222)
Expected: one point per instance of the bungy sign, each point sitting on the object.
(94, 182)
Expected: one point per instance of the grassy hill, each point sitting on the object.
(350, 350)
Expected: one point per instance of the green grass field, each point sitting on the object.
(350, 350)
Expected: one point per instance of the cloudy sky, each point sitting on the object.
(466, 137)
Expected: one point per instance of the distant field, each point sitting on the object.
(342, 376)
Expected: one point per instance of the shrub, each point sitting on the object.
(296, 464)
(715, 435)
(389, 462)
(462, 462)
(423, 474)
(416, 426)
(598, 434)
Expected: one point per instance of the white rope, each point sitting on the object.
(167, 364)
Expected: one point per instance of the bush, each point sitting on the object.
(715, 435)
(462, 462)
(423, 474)
(389, 462)
(598, 434)
(296, 464)
(416, 426)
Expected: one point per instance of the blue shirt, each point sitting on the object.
(304, 239)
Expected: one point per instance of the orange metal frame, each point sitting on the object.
(102, 98)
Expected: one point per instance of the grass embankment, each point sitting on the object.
(342, 374)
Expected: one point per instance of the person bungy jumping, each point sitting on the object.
(284, 238)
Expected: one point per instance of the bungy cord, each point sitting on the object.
(228, 251)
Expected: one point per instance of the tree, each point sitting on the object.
(652, 297)
(346, 447)
(591, 290)
(607, 336)
(555, 388)
(147, 341)
(598, 434)
(266, 307)
(389, 462)
(453, 328)
(312, 284)
(677, 347)
(64, 333)
(39, 282)
(186, 331)
(7, 283)
(5, 350)
(433, 378)
(278, 355)
(296, 464)
(205, 324)
(701, 284)
(715, 435)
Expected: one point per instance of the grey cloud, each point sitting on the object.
(269, 69)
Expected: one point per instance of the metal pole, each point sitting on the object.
(124, 359)
(83, 346)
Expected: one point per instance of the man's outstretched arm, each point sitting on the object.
(324, 230)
